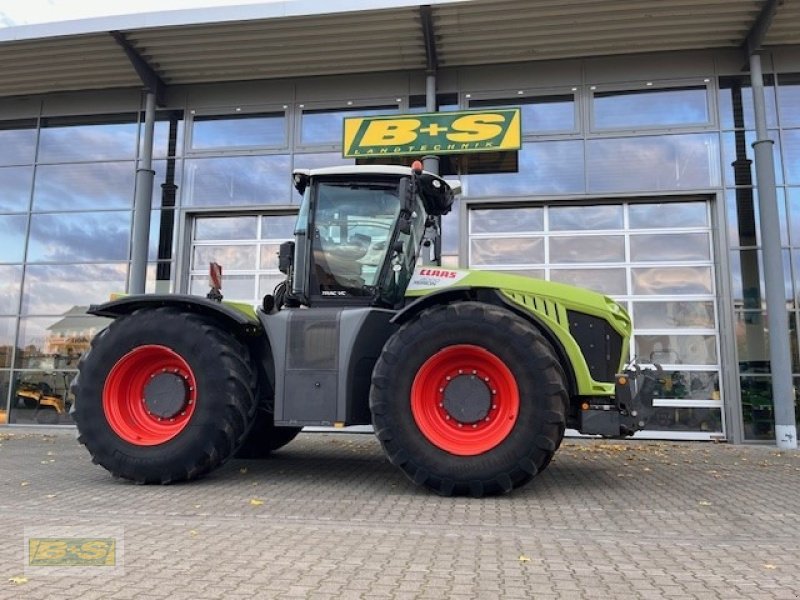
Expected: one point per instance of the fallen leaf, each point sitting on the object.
(197, 505)
(193, 532)
(704, 503)
(18, 580)
(770, 567)
(523, 558)
(243, 470)
(256, 502)
(24, 483)
(51, 495)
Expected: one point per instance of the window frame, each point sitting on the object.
(352, 106)
(237, 112)
(711, 124)
(467, 98)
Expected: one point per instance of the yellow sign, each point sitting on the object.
(433, 133)
(72, 552)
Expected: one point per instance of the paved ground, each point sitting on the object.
(606, 520)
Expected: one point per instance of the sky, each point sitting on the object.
(29, 12)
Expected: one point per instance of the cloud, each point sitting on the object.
(70, 237)
(5, 20)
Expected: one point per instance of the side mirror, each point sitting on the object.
(285, 257)
(300, 179)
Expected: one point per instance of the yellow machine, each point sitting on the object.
(48, 406)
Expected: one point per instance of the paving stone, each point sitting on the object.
(705, 521)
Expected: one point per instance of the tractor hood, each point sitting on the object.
(427, 279)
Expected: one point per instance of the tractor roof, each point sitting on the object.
(393, 170)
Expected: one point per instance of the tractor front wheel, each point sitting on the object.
(469, 399)
(164, 396)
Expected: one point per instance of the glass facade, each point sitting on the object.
(645, 191)
(744, 235)
(65, 228)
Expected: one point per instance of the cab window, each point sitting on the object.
(352, 229)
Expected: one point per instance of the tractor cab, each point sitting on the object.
(360, 232)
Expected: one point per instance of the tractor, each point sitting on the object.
(47, 405)
(468, 378)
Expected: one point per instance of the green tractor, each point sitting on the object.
(469, 378)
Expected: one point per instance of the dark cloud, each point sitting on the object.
(98, 185)
(70, 237)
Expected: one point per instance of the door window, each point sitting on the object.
(352, 227)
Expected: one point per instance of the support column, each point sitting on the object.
(777, 316)
(430, 163)
(143, 202)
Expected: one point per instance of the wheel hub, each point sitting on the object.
(165, 395)
(467, 399)
(149, 395)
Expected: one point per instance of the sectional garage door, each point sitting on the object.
(655, 258)
(246, 245)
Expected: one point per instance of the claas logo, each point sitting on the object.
(435, 133)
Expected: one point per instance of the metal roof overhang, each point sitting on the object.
(311, 37)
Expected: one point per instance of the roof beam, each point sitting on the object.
(755, 37)
(150, 79)
(431, 57)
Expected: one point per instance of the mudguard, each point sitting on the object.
(242, 316)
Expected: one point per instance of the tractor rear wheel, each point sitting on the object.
(264, 437)
(469, 399)
(164, 396)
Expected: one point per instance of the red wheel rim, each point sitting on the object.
(124, 396)
(440, 427)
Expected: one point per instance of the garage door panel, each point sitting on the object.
(670, 247)
(587, 248)
(672, 281)
(678, 314)
(612, 282)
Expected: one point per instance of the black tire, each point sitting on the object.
(224, 406)
(27, 402)
(264, 437)
(540, 419)
(46, 416)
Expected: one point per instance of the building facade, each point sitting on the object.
(635, 179)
